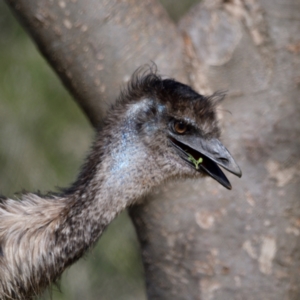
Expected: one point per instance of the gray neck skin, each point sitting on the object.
(127, 171)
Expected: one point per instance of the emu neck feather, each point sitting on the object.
(41, 236)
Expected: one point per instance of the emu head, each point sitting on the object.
(177, 126)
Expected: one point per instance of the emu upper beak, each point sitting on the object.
(205, 155)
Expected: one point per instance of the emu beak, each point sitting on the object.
(205, 155)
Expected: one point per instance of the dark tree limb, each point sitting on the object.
(198, 240)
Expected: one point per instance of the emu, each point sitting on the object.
(159, 129)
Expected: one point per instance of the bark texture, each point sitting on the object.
(200, 241)
(95, 46)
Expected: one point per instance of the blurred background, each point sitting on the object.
(43, 140)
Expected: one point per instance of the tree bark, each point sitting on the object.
(95, 48)
(198, 240)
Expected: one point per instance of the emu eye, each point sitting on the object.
(180, 127)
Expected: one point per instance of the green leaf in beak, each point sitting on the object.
(195, 161)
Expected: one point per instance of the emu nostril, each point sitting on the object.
(223, 160)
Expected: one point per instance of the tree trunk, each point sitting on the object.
(198, 240)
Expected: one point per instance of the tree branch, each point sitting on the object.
(95, 48)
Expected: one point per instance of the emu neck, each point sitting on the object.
(41, 236)
(124, 173)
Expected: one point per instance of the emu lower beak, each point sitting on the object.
(205, 155)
